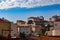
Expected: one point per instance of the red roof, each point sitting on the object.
(23, 26)
(4, 20)
(37, 26)
(57, 20)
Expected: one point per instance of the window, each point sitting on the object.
(27, 32)
(55, 24)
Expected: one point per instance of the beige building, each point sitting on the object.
(20, 22)
(36, 30)
(55, 31)
(57, 25)
(5, 27)
(8, 28)
(53, 19)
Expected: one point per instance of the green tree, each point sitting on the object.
(43, 29)
(22, 35)
(43, 25)
(48, 27)
(30, 22)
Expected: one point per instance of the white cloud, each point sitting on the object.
(5, 4)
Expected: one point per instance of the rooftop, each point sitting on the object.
(4, 20)
(20, 21)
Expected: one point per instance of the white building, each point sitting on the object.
(25, 29)
(57, 25)
(56, 31)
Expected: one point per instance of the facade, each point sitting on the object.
(5, 27)
(36, 30)
(57, 24)
(8, 28)
(14, 30)
(53, 19)
(24, 29)
(55, 31)
(36, 20)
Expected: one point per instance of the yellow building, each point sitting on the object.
(4, 27)
(20, 22)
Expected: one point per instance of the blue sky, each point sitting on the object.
(23, 12)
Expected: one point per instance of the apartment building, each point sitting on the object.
(5, 27)
(36, 20)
